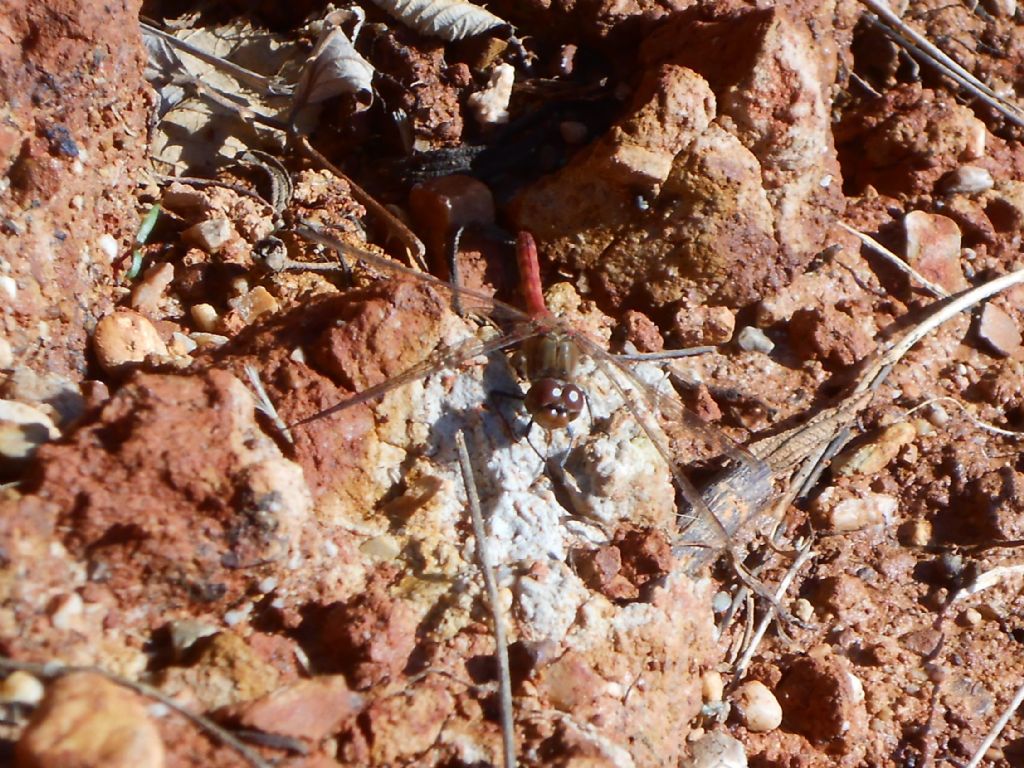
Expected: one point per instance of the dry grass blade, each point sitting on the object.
(449, 20)
(413, 244)
(992, 735)
(264, 404)
(491, 584)
(896, 261)
(53, 671)
(923, 49)
(804, 554)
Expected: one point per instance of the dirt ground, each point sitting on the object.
(788, 187)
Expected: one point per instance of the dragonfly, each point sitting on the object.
(551, 350)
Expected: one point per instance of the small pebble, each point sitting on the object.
(184, 633)
(490, 106)
(205, 317)
(108, 246)
(208, 340)
(236, 616)
(970, 618)
(259, 301)
(715, 750)
(149, 291)
(720, 602)
(967, 180)
(998, 331)
(696, 326)
(23, 429)
(9, 287)
(22, 688)
(441, 205)
(210, 235)
(382, 547)
(711, 687)
(751, 339)
(872, 457)
(181, 344)
(125, 337)
(6, 354)
(757, 707)
(933, 248)
(915, 533)
(937, 415)
(858, 513)
(66, 611)
(803, 609)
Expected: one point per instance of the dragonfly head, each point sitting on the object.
(553, 403)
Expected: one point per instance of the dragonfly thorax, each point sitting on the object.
(549, 362)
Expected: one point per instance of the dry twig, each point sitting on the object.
(925, 51)
(491, 584)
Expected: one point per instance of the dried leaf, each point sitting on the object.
(334, 68)
(450, 20)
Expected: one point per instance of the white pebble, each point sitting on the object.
(858, 513)
(108, 246)
(238, 615)
(715, 750)
(8, 286)
(69, 608)
(751, 339)
(22, 688)
(758, 709)
(204, 316)
(968, 180)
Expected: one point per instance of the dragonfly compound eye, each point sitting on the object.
(553, 403)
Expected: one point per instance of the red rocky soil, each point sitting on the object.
(686, 168)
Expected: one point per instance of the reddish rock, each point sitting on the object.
(398, 728)
(370, 638)
(699, 326)
(998, 331)
(904, 142)
(933, 249)
(601, 570)
(829, 335)
(441, 206)
(85, 721)
(821, 699)
(642, 332)
(226, 671)
(399, 327)
(309, 709)
(234, 503)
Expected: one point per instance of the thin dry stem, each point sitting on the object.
(992, 735)
(804, 554)
(918, 45)
(934, 288)
(487, 569)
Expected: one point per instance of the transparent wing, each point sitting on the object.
(440, 359)
(470, 300)
(683, 438)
